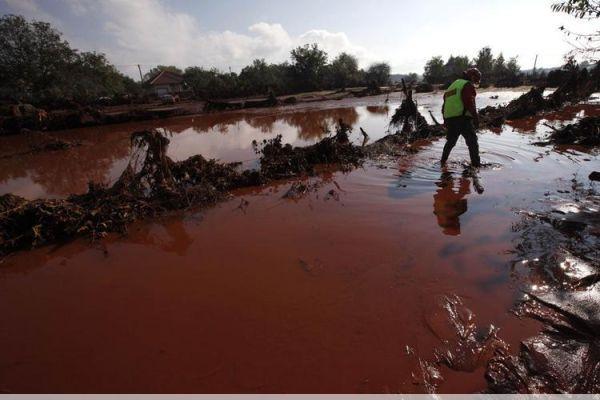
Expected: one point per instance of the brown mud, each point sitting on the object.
(266, 295)
(360, 301)
(557, 257)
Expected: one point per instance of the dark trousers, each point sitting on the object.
(461, 126)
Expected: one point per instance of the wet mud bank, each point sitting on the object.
(40, 120)
(559, 251)
(557, 269)
(32, 119)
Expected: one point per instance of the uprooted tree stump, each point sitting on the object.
(152, 183)
(407, 119)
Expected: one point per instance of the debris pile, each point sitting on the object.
(284, 161)
(409, 122)
(523, 106)
(152, 183)
(585, 132)
(407, 117)
(580, 86)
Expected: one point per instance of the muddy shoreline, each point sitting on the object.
(57, 120)
(40, 120)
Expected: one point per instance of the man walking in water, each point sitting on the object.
(460, 115)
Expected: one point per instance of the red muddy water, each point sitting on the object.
(339, 291)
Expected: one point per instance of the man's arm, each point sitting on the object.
(468, 98)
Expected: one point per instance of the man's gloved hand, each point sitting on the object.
(476, 123)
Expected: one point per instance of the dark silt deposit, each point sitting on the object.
(559, 250)
(558, 256)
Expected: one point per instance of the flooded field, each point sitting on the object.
(341, 290)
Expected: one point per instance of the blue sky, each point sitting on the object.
(230, 33)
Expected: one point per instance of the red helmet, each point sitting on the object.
(473, 74)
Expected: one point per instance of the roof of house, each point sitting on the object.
(166, 78)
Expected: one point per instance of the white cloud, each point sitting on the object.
(149, 33)
(79, 7)
(30, 9)
(335, 43)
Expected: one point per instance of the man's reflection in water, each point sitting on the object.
(449, 201)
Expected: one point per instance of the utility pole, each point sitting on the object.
(535, 64)
(140, 69)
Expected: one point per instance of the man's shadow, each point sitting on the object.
(449, 201)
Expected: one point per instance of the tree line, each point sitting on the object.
(494, 70)
(309, 69)
(38, 66)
